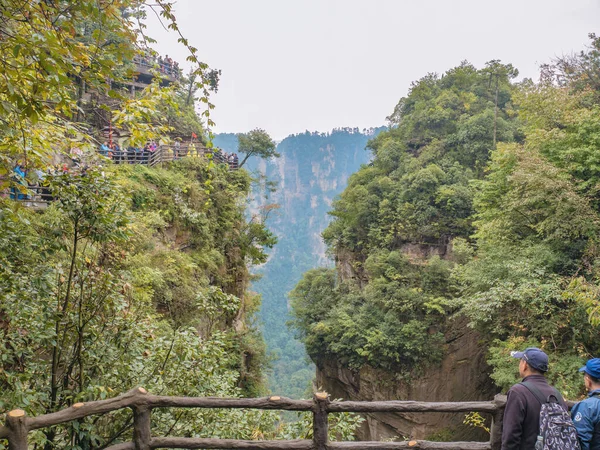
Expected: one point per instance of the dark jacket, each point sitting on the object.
(586, 417)
(522, 414)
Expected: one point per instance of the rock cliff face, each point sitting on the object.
(461, 376)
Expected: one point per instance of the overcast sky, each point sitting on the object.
(295, 65)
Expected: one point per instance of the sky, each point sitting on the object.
(294, 65)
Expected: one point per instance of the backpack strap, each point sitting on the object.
(539, 395)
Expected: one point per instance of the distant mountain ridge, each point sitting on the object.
(312, 170)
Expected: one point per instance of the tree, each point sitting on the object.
(52, 52)
(579, 72)
(533, 280)
(256, 143)
(393, 223)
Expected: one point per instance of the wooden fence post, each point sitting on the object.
(17, 437)
(142, 434)
(320, 424)
(497, 418)
(141, 427)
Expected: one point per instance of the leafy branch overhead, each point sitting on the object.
(60, 58)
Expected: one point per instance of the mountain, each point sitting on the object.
(312, 170)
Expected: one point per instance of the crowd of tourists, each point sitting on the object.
(144, 155)
(536, 415)
(129, 155)
(32, 186)
(165, 65)
(231, 159)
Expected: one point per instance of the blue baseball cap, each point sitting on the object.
(533, 356)
(592, 367)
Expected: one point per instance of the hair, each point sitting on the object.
(594, 379)
(533, 369)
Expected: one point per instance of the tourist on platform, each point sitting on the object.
(104, 149)
(586, 413)
(19, 176)
(130, 154)
(43, 186)
(521, 423)
(118, 154)
(76, 154)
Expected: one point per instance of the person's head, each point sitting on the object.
(533, 361)
(591, 374)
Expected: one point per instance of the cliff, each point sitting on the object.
(461, 376)
(312, 170)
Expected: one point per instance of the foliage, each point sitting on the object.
(59, 58)
(417, 189)
(342, 427)
(448, 219)
(379, 326)
(534, 278)
(577, 72)
(393, 224)
(474, 419)
(256, 143)
(121, 282)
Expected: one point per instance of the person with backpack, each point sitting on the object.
(536, 415)
(586, 413)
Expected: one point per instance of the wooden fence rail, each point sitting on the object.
(18, 425)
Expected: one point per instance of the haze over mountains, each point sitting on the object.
(312, 170)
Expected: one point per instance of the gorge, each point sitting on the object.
(312, 170)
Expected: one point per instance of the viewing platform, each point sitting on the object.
(146, 68)
(167, 153)
(39, 197)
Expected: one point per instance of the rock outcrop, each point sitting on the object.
(461, 376)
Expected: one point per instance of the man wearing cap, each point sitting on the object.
(522, 413)
(586, 414)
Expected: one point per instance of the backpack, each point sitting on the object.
(557, 431)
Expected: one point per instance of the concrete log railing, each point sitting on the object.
(18, 424)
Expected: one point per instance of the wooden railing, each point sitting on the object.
(18, 424)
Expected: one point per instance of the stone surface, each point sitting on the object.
(462, 376)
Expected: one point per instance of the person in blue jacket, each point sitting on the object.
(104, 149)
(586, 413)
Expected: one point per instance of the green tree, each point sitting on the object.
(256, 143)
(52, 52)
(534, 275)
(393, 224)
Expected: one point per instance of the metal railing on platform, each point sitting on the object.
(34, 196)
(18, 424)
(38, 197)
(167, 153)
